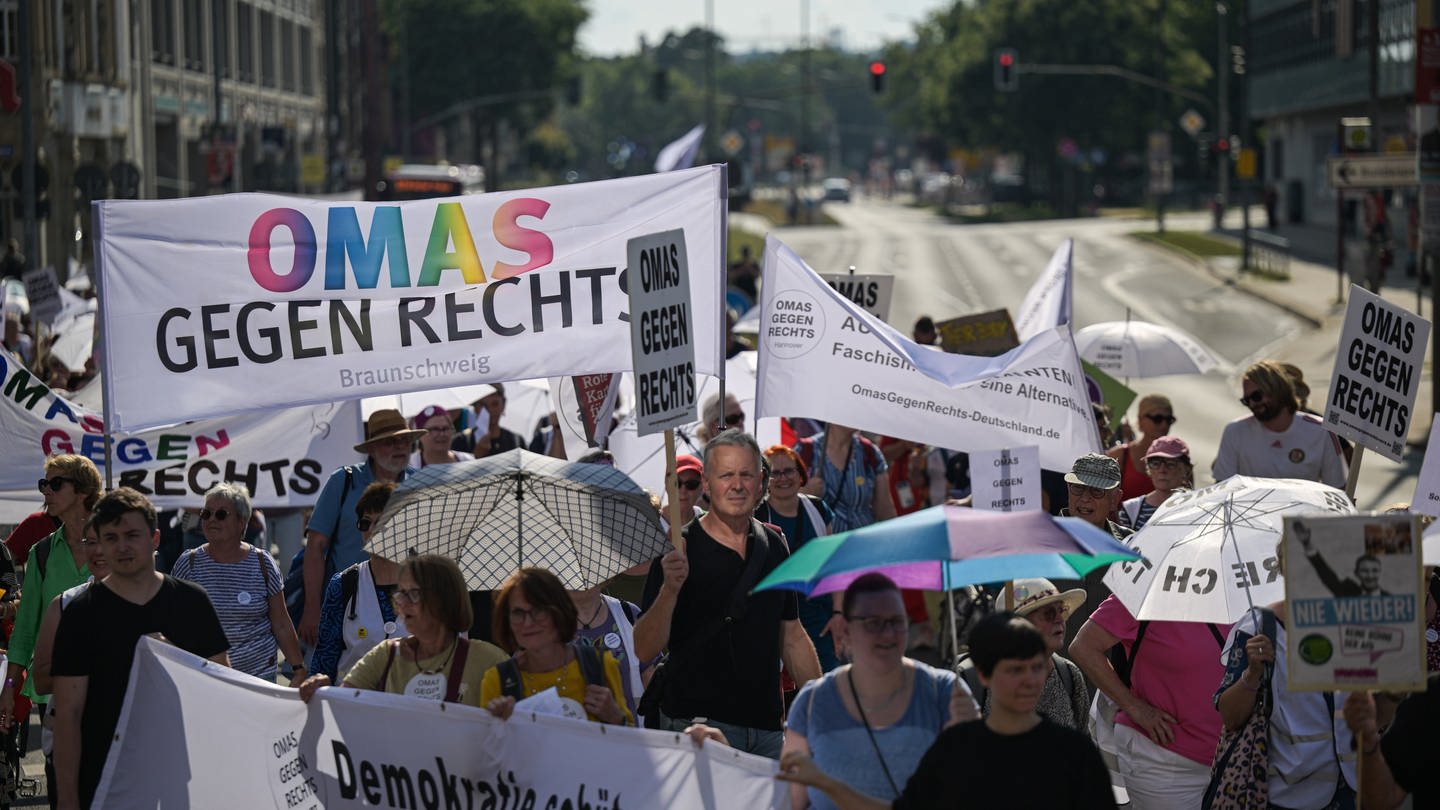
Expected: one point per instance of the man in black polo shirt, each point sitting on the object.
(726, 645)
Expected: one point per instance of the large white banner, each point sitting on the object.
(1050, 301)
(283, 456)
(351, 748)
(251, 301)
(826, 358)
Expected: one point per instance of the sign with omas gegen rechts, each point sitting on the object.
(1377, 374)
(660, 338)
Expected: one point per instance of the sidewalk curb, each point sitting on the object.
(1198, 263)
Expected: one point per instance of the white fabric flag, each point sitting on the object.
(252, 301)
(1050, 301)
(354, 748)
(680, 153)
(826, 358)
(282, 456)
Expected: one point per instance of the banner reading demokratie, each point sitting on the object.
(282, 456)
(350, 748)
(826, 358)
(1354, 587)
(218, 305)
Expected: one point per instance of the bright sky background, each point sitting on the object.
(616, 25)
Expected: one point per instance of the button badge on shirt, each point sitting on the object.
(1297, 455)
(612, 640)
(243, 597)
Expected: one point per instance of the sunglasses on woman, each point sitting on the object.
(691, 484)
(53, 484)
(218, 514)
(1161, 418)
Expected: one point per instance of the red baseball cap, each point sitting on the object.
(689, 463)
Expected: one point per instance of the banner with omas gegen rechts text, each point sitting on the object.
(826, 358)
(357, 748)
(217, 305)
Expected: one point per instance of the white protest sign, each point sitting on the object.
(1049, 303)
(282, 456)
(355, 748)
(1354, 587)
(1006, 480)
(1377, 374)
(42, 287)
(251, 301)
(825, 358)
(662, 340)
(871, 293)
(1426, 499)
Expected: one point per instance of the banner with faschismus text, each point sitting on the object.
(281, 456)
(1355, 592)
(1377, 373)
(357, 748)
(251, 301)
(826, 358)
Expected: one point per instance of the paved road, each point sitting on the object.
(944, 270)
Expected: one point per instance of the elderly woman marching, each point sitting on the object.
(244, 584)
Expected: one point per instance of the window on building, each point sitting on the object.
(162, 31)
(307, 61)
(265, 33)
(244, 42)
(194, 28)
(287, 55)
(9, 30)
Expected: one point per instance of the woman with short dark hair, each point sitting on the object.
(434, 661)
(535, 619)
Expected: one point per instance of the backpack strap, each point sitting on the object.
(42, 555)
(349, 588)
(1219, 636)
(457, 669)
(631, 612)
(591, 667)
(510, 684)
(1067, 678)
(1135, 647)
(340, 507)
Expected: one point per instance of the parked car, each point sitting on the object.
(837, 189)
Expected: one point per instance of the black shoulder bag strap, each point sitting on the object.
(855, 693)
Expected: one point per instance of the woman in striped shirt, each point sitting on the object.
(244, 584)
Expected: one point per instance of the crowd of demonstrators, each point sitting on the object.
(1168, 464)
(847, 471)
(435, 444)
(434, 660)
(483, 436)
(872, 719)
(1065, 699)
(358, 612)
(801, 517)
(1277, 439)
(1014, 757)
(333, 542)
(535, 621)
(1156, 416)
(96, 638)
(244, 585)
(724, 642)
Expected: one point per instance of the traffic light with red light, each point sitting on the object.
(1222, 146)
(1007, 70)
(877, 76)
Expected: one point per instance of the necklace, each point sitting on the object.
(443, 664)
(599, 606)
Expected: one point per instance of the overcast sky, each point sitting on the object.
(616, 25)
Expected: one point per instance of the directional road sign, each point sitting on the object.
(1396, 170)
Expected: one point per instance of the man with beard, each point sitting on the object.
(387, 446)
(1277, 439)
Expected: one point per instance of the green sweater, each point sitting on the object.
(61, 574)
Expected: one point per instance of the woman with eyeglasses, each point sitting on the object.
(433, 662)
(536, 621)
(71, 487)
(873, 719)
(435, 444)
(357, 612)
(1170, 470)
(1156, 417)
(801, 517)
(244, 584)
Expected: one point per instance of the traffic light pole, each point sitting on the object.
(29, 223)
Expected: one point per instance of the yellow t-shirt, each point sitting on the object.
(568, 681)
(427, 678)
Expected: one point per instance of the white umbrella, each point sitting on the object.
(1430, 544)
(1142, 349)
(1210, 554)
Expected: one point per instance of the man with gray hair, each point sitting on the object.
(724, 641)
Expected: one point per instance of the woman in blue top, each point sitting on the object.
(874, 719)
(801, 518)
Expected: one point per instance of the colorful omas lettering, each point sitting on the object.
(387, 238)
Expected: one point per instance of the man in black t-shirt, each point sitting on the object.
(991, 762)
(726, 644)
(95, 642)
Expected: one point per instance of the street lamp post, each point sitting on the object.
(1222, 71)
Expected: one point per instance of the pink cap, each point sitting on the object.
(1169, 447)
(430, 412)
